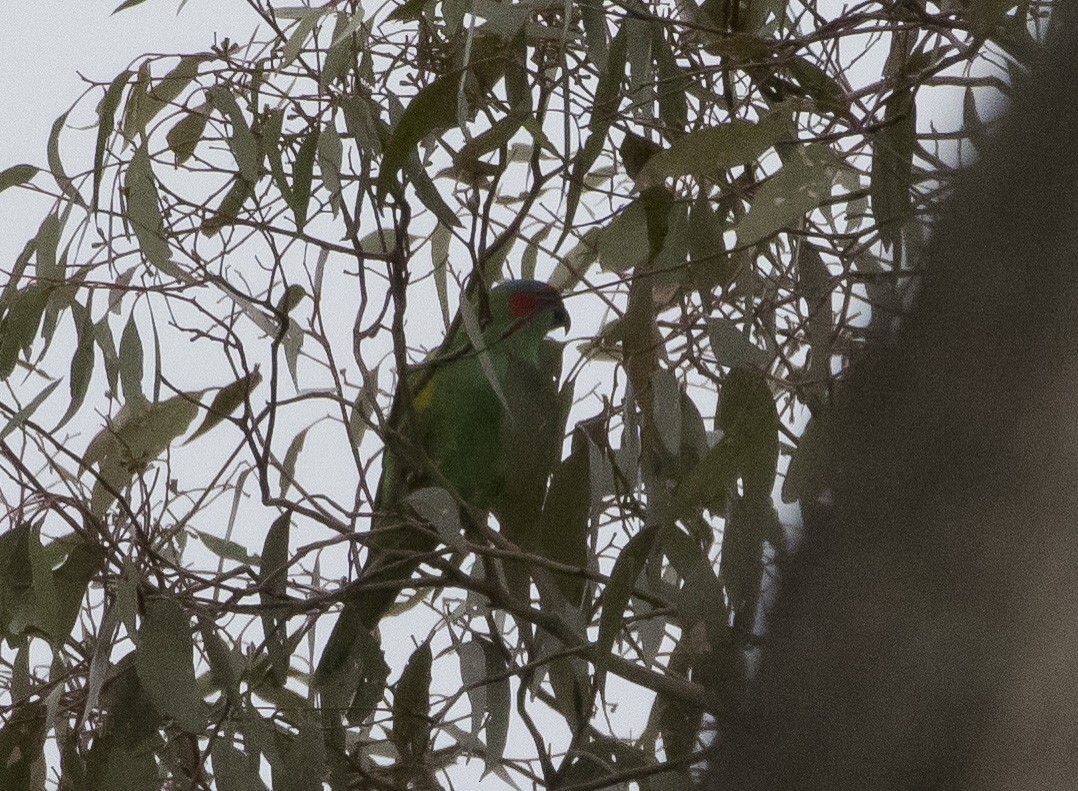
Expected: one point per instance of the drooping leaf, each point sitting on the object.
(434, 107)
(131, 362)
(371, 681)
(672, 85)
(22, 739)
(226, 548)
(892, 165)
(16, 175)
(82, 361)
(242, 141)
(627, 568)
(623, 244)
(135, 439)
(183, 138)
(229, 209)
(71, 581)
(106, 112)
(732, 347)
(16, 580)
(165, 665)
(20, 324)
(122, 756)
(411, 707)
(749, 420)
(227, 400)
(233, 770)
(143, 209)
(716, 148)
(20, 417)
(608, 94)
(302, 175)
(294, 45)
(56, 165)
(273, 589)
(330, 153)
(829, 95)
(498, 703)
(565, 522)
(782, 201)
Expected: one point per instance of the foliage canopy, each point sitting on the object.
(198, 349)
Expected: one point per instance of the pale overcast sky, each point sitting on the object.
(44, 47)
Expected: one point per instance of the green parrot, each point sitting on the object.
(485, 422)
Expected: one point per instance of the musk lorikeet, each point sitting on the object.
(485, 420)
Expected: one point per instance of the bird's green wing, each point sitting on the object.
(448, 437)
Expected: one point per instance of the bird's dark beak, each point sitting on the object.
(561, 318)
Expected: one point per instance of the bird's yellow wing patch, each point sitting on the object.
(425, 398)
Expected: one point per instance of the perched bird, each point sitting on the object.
(484, 420)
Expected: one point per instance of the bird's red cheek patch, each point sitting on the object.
(522, 305)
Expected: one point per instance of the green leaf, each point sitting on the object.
(47, 608)
(16, 580)
(371, 683)
(829, 95)
(566, 518)
(716, 148)
(20, 324)
(411, 707)
(433, 108)
(231, 204)
(302, 174)
(232, 769)
(408, 11)
(19, 418)
(143, 209)
(364, 126)
(223, 547)
(131, 362)
(242, 142)
(892, 165)
(22, 740)
(294, 45)
(56, 165)
(273, 591)
(666, 409)
(227, 401)
(673, 84)
(82, 361)
(137, 99)
(270, 138)
(165, 666)
(70, 582)
(135, 439)
(169, 87)
(127, 4)
(105, 342)
(782, 201)
(732, 347)
(16, 175)
(437, 506)
(330, 153)
(48, 240)
(184, 137)
(122, 756)
(748, 418)
(627, 568)
(291, 456)
(428, 193)
(608, 95)
(623, 244)
(498, 704)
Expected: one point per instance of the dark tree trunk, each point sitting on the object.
(926, 633)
